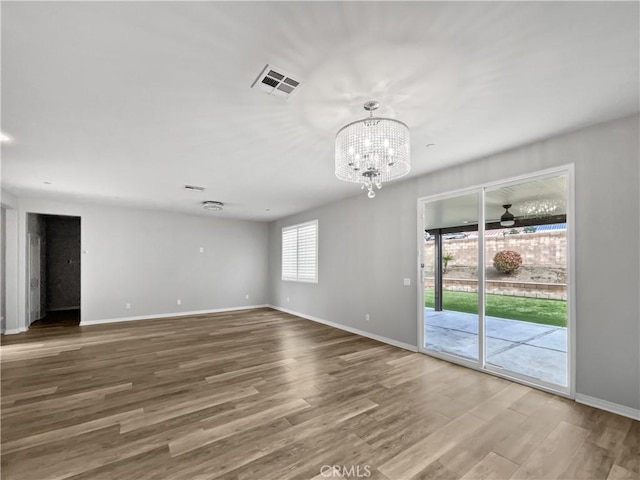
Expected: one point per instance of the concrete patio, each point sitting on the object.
(532, 349)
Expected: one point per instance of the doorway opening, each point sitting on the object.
(496, 289)
(54, 273)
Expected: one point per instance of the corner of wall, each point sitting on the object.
(9, 199)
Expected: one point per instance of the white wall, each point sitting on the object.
(150, 259)
(10, 268)
(366, 248)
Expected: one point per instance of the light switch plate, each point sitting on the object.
(407, 282)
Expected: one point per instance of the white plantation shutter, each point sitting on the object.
(289, 253)
(300, 252)
(308, 252)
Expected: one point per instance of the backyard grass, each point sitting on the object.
(536, 310)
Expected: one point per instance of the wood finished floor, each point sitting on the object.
(261, 394)
(60, 318)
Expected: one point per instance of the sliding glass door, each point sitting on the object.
(451, 276)
(526, 279)
(496, 270)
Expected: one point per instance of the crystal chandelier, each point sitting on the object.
(541, 207)
(372, 151)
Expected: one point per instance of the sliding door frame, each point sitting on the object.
(467, 362)
(568, 172)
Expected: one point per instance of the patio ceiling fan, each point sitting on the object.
(507, 219)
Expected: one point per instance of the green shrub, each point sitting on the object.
(507, 261)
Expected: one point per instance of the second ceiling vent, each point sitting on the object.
(274, 81)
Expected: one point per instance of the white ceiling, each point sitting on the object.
(127, 102)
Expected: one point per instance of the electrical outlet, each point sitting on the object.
(179, 302)
(287, 299)
(407, 282)
(247, 296)
(201, 249)
(366, 317)
(127, 306)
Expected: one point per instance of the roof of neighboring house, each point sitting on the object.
(506, 231)
(555, 226)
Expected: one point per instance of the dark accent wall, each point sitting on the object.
(63, 262)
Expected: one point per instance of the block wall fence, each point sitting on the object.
(543, 249)
(540, 249)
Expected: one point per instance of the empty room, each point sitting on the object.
(307, 240)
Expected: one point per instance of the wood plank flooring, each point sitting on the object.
(260, 394)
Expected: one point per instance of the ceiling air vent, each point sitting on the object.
(194, 188)
(275, 82)
(212, 205)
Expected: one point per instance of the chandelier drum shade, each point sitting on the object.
(372, 151)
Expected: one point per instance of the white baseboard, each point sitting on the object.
(13, 331)
(59, 309)
(168, 315)
(623, 410)
(362, 333)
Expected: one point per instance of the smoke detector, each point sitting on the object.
(212, 205)
(275, 81)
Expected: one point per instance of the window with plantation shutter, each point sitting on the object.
(300, 252)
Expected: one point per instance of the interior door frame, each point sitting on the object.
(30, 239)
(568, 171)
